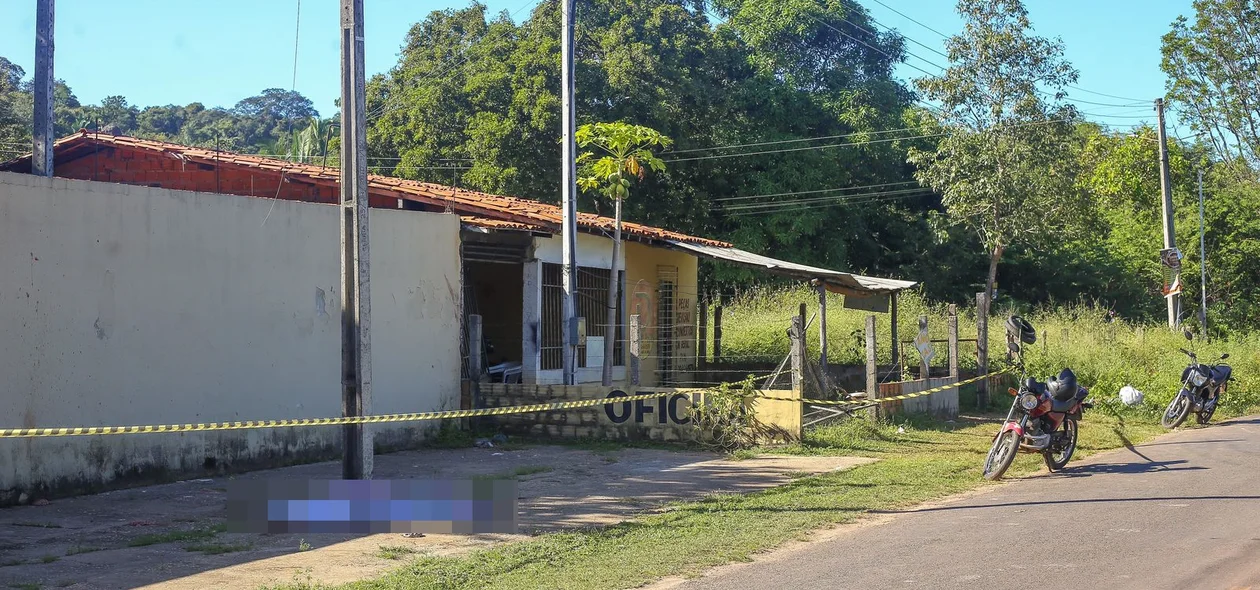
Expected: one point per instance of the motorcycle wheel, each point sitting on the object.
(1177, 411)
(1205, 415)
(1058, 459)
(1001, 455)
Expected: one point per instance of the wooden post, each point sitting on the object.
(797, 336)
(872, 369)
(896, 336)
(717, 331)
(982, 349)
(634, 349)
(953, 343)
(822, 327)
(702, 349)
(924, 370)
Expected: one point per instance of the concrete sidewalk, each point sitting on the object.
(169, 536)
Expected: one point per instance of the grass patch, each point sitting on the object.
(177, 536)
(49, 558)
(12, 562)
(80, 549)
(531, 470)
(395, 552)
(38, 525)
(920, 460)
(217, 548)
(28, 586)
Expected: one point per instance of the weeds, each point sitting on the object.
(217, 548)
(395, 552)
(177, 536)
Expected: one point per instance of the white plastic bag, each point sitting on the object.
(1130, 396)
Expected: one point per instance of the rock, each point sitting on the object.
(41, 502)
(484, 443)
(22, 498)
(499, 438)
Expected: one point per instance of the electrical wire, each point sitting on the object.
(823, 190)
(780, 204)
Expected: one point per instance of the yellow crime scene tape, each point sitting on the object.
(414, 417)
(866, 401)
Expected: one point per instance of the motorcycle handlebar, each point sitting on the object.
(1186, 352)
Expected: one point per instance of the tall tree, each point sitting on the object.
(1212, 81)
(625, 155)
(1005, 167)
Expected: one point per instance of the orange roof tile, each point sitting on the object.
(477, 208)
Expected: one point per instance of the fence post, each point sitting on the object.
(702, 352)
(925, 371)
(953, 343)
(872, 369)
(982, 349)
(797, 336)
(634, 349)
(717, 331)
(822, 326)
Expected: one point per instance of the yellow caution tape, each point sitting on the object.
(415, 417)
(826, 402)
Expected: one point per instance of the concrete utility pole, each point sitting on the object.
(568, 192)
(44, 130)
(1165, 184)
(1202, 265)
(356, 302)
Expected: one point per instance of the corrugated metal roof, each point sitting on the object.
(843, 280)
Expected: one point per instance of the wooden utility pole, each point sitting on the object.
(953, 342)
(635, 348)
(797, 338)
(702, 349)
(1165, 185)
(1203, 327)
(43, 128)
(356, 302)
(568, 192)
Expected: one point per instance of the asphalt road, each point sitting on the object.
(1182, 512)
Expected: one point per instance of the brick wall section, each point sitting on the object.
(159, 170)
(592, 422)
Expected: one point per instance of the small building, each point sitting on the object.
(510, 254)
(155, 283)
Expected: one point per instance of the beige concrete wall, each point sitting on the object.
(125, 305)
(643, 265)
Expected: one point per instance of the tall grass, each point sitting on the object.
(1104, 355)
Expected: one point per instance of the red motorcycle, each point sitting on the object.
(1043, 417)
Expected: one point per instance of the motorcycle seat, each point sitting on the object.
(1220, 373)
(1066, 406)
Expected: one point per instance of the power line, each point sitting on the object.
(780, 204)
(863, 201)
(297, 30)
(824, 190)
(763, 143)
(903, 15)
(853, 144)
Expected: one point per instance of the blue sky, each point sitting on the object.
(180, 51)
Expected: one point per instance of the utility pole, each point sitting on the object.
(1165, 184)
(356, 303)
(43, 128)
(568, 192)
(1202, 265)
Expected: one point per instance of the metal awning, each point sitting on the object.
(836, 281)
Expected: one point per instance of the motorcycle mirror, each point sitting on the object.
(1014, 346)
(1189, 335)
(1224, 356)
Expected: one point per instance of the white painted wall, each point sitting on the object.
(592, 251)
(126, 305)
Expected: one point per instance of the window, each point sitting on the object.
(592, 304)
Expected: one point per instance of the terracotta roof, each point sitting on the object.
(476, 208)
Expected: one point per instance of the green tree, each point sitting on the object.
(625, 155)
(1211, 67)
(1006, 166)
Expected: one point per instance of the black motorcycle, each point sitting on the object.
(1201, 389)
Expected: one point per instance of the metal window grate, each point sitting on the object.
(592, 304)
(666, 290)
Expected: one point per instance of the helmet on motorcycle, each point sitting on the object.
(1063, 387)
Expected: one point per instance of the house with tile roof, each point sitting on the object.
(510, 255)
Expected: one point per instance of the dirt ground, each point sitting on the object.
(171, 536)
